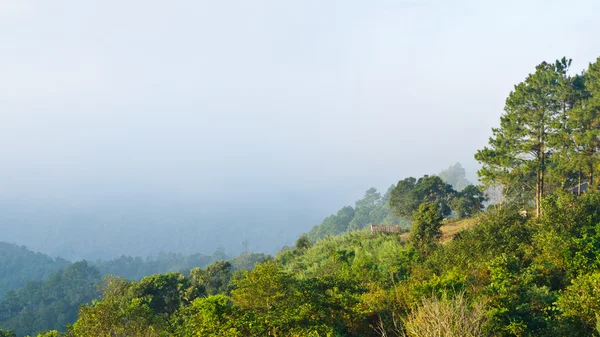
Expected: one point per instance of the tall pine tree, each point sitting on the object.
(520, 151)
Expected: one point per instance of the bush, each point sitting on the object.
(425, 231)
(581, 300)
(448, 317)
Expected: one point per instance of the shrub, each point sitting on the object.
(448, 317)
(581, 300)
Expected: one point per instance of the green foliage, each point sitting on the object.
(548, 137)
(52, 303)
(165, 293)
(119, 313)
(7, 333)
(248, 261)
(262, 289)
(354, 256)
(578, 140)
(439, 287)
(303, 242)
(18, 265)
(51, 333)
(410, 193)
(498, 278)
(211, 316)
(282, 305)
(581, 301)
(567, 244)
(468, 202)
(333, 224)
(373, 208)
(499, 231)
(136, 268)
(518, 305)
(425, 231)
(214, 279)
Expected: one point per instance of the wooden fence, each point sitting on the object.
(384, 229)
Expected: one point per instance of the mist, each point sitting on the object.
(138, 127)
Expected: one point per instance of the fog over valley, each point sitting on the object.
(138, 127)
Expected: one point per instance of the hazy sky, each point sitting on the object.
(238, 99)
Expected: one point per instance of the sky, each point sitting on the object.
(260, 102)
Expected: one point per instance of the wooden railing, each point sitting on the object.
(384, 229)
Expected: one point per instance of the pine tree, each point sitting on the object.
(519, 152)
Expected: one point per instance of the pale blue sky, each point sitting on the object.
(316, 100)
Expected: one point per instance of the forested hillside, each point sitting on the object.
(450, 189)
(18, 265)
(52, 302)
(528, 266)
(373, 208)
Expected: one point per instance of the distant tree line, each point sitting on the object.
(52, 302)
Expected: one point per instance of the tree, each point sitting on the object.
(262, 289)
(333, 224)
(118, 314)
(581, 300)
(581, 136)
(52, 303)
(165, 293)
(210, 316)
(20, 265)
(365, 209)
(7, 333)
(425, 231)
(520, 150)
(468, 202)
(455, 175)
(303, 242)
(266, 292)
(410, 193)
(215, 278)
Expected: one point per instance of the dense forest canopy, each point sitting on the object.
(18, 265)
(32, 301)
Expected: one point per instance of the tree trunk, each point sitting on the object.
(579, 183)
(537, 195)
(542, 168)
(541, 190)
